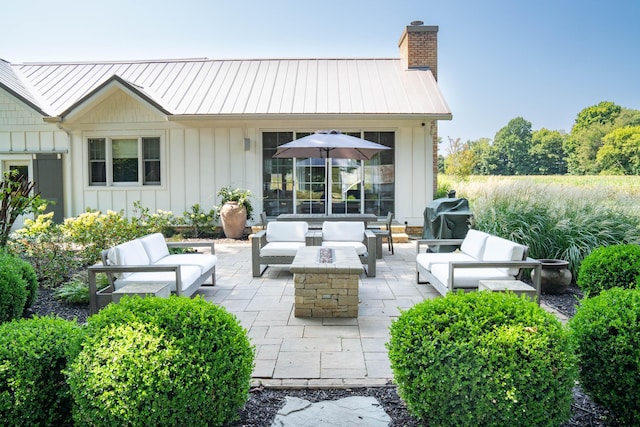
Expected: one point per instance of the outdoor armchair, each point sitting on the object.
(352, 234)
(278, 244)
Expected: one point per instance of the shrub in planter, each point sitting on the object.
(158, 361)
(483, 358)
(606, 330)
(609, 266)
(13, 287)
(33, 355)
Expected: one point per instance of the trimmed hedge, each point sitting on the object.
(162, 362)
(483, 358)
(607, 267)
(606, 329)
(33, 355)
(13, 287)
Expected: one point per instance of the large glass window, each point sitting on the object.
(124, 161)
(351, 186)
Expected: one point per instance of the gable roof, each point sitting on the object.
(203, 87)
(11, 83)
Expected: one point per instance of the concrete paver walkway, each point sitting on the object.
(324, 352)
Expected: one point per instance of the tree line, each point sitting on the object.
(605, 139)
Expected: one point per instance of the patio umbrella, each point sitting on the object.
(329, 144)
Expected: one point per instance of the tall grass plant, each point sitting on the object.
(555, 218)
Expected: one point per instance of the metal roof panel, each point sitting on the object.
(237, 87)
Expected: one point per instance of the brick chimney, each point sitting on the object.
(419, 47)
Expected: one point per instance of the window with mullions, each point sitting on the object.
(124, 161)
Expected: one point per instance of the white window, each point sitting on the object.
(124, 161)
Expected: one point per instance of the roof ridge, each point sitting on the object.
(178, 60)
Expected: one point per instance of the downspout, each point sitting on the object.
(66, 178)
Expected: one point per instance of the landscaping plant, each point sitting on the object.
(161, 362)
(606, 331)
(16, 287)
(554, 221)
(610, 266)
(33, 356)
(483, 358)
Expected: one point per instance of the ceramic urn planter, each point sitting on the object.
(555, 277)
(234, 220)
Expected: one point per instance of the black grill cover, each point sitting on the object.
(446, 218)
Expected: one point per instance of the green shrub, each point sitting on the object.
(31, 280)
(610, 266)
(43, 244)
(606, 330)
(33, 355)
(157, 361)
(483, 358)
(13, 287)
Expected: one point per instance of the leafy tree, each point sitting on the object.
(512, 144)
(589, 129)
(547, 153)
(483, 153)
(603, 113)
(620, 152)
(460, 161)
(16, 198)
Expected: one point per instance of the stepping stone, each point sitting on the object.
(350, 411)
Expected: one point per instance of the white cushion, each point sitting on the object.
(203, 261)
(499, 249)
(473, 243)
(428, 259)
(129, 253)
(188, 275)
(343, 231)
(288, 249)
(155, 246)
(360, 248)
(467, 278)
(287, 231)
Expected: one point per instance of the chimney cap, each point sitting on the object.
(417, 23)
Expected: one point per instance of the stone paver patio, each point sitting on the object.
(322, 352)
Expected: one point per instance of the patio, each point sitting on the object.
(301, 352)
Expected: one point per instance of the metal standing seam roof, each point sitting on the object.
(239, 87)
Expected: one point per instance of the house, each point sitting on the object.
(170, 133)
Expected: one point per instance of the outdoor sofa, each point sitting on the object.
(278, 244)
(147, 260)
(481, 256)
(350, 234)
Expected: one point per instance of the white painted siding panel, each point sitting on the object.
(176, 168)
(191, 167)
(207, 168)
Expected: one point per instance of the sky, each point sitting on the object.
(542, 60)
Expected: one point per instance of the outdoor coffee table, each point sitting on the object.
(326, 281)
(515, 286)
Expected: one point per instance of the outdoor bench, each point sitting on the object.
(480, 256)
(147, 260)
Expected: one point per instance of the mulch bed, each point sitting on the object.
(264, 403)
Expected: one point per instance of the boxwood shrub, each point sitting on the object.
(161, 362)
(33, 355)
(13, 287)
(610, 266)
(483, 358)
(608, 338)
